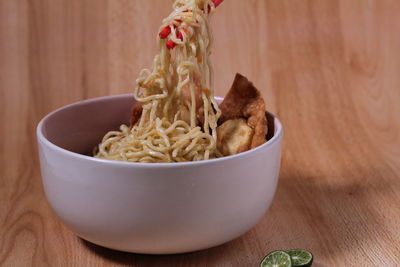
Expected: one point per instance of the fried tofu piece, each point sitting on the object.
(244, 101)
(234, 136)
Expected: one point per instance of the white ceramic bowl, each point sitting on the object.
(155, 208)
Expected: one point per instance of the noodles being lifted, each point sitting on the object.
(179, 117)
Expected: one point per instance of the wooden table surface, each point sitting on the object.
(329, 69)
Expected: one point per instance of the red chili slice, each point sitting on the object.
(179, 35)
(165, 32)
(217, 2)
(170, 44)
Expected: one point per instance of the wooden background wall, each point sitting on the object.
(330, 69)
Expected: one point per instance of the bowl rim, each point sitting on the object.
(43, 140)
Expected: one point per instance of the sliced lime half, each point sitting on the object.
(300, 258)
(276, 259)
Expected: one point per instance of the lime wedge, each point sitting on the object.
(276, 259)
(300, 258)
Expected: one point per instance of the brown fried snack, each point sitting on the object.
(244, 101)
(234, 136)
(136, 113)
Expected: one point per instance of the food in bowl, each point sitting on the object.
(155, 208)
(176, 117)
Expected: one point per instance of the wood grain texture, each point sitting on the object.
(328, 68)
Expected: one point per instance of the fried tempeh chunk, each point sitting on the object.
(234, 136)
(244, 101)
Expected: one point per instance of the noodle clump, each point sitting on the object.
(179, 114)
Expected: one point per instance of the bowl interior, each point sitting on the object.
(79, 127)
